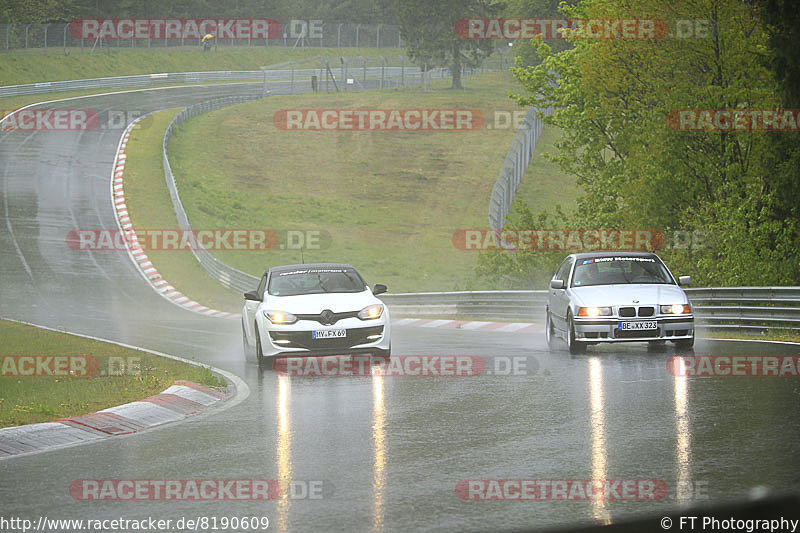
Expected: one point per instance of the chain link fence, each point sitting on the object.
(56, 38)
(514, 167)
(350, 73)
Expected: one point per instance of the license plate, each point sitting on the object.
(638, 326)
(329, 333)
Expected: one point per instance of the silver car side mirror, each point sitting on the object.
(557, 284)
(685, 280)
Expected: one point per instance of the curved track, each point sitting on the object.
(389, 451)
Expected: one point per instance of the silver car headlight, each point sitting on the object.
(280, 317)
(675, 309)
(371, 312)
(592, 312)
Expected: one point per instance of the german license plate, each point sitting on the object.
(329, 333)
(638, 326)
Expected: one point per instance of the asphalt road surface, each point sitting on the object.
(387, 452)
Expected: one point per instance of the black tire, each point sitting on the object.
(549, 331)
(684, 344)
(575, 346)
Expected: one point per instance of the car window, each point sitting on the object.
(563, 270)
(262, 285)
(315, 281)
(620, 270)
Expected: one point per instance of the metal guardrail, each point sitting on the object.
(514, 306)
(225, 274)
(406, 73)
(747, 308)
(514, 166)
(730, 308)
(142, 80)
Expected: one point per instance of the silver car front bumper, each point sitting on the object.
(608, 329)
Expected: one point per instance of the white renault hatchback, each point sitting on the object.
(314, 309)
(611, 297)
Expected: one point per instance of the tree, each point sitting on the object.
(429, 30)
(613, 99)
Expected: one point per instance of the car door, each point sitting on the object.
(250, 308)
(557, 299)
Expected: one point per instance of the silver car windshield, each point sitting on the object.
(620, 270)
(315, 281)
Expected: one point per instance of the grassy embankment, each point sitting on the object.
(390, 201)
(122, 375)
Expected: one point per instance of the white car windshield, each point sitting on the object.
(620, 270)
(315, 281)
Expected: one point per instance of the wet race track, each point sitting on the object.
(378, 452)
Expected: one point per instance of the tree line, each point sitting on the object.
(696, 134)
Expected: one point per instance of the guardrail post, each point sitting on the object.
(344, 78)
(358, 26)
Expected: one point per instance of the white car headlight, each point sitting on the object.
(676, 309)
(594, 311)
(280, 317)
(371, 312)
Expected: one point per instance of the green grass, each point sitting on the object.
(29, 400)
(16, 69)
(390, 200)
(544, 184)
(150, 207)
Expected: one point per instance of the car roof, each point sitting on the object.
(289, 268)
(620, 253)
